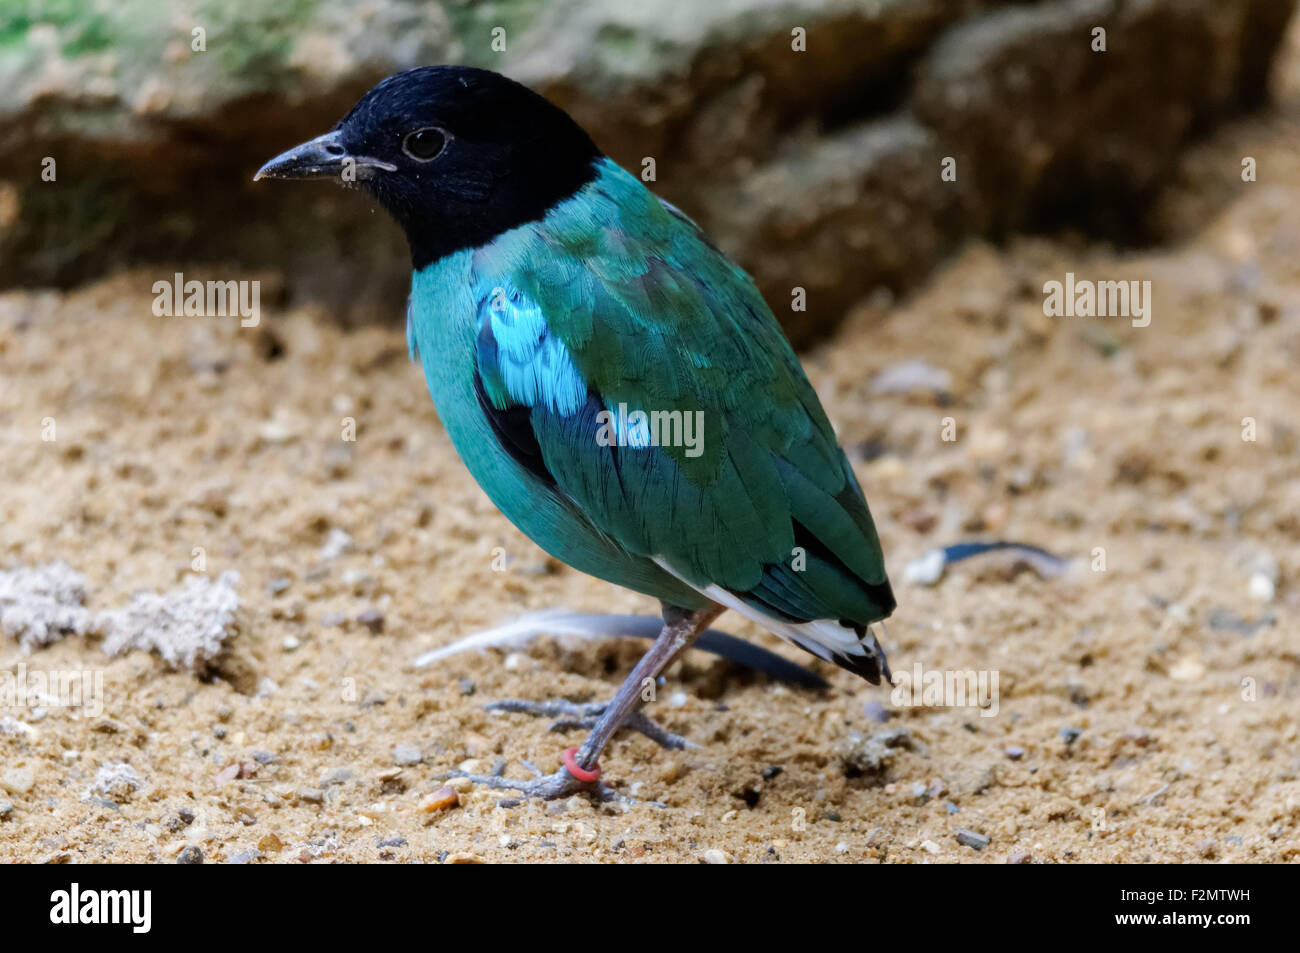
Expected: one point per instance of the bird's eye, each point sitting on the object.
(424, 144)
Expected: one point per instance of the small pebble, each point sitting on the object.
(17, 781)
(876, 711)
(1070, 735)
(407, 754)
(1020, 857)
(716, 856)
(467, 687)
(373, 620)
(190, 855)
(1262, 588)
(270, 844)
(972, 838)
(335, 776)
(442, 799)
(1014, 752)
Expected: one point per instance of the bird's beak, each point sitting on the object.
(322, 157)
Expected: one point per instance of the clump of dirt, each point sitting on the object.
(1146, 699)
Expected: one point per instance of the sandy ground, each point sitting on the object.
(1137, 719)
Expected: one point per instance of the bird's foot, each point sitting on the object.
(569, 715)
(548, 787)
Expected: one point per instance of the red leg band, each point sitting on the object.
(582, 774)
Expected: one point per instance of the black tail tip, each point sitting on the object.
(871, 664)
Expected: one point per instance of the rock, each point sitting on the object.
(1225, 620)
(372, 619)
(463, 858)
(1014, 752)
(270, 844)
(875, 711)
(787, 158)
(407, 754)
(1070, 735)
(991, 88)
(17, 781)
(442, 799)
(1262, 588)
(336, 776)
(912, 377)
(336, 544)
(715, 856)
(1020, 857)
(190, 855)
(972, 839)
(116, 780)
(870, 756)
(6, 808)
(927, 569)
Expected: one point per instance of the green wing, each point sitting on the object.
(616, 302)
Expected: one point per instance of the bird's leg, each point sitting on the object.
(569, 715)
(581, 771)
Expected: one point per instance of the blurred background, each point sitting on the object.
(805, 136)
(287, 502)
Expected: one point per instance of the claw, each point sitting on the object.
(548, 787)
(569, 715)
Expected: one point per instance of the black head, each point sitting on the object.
(457, 156)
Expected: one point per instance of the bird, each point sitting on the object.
(615, 384)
